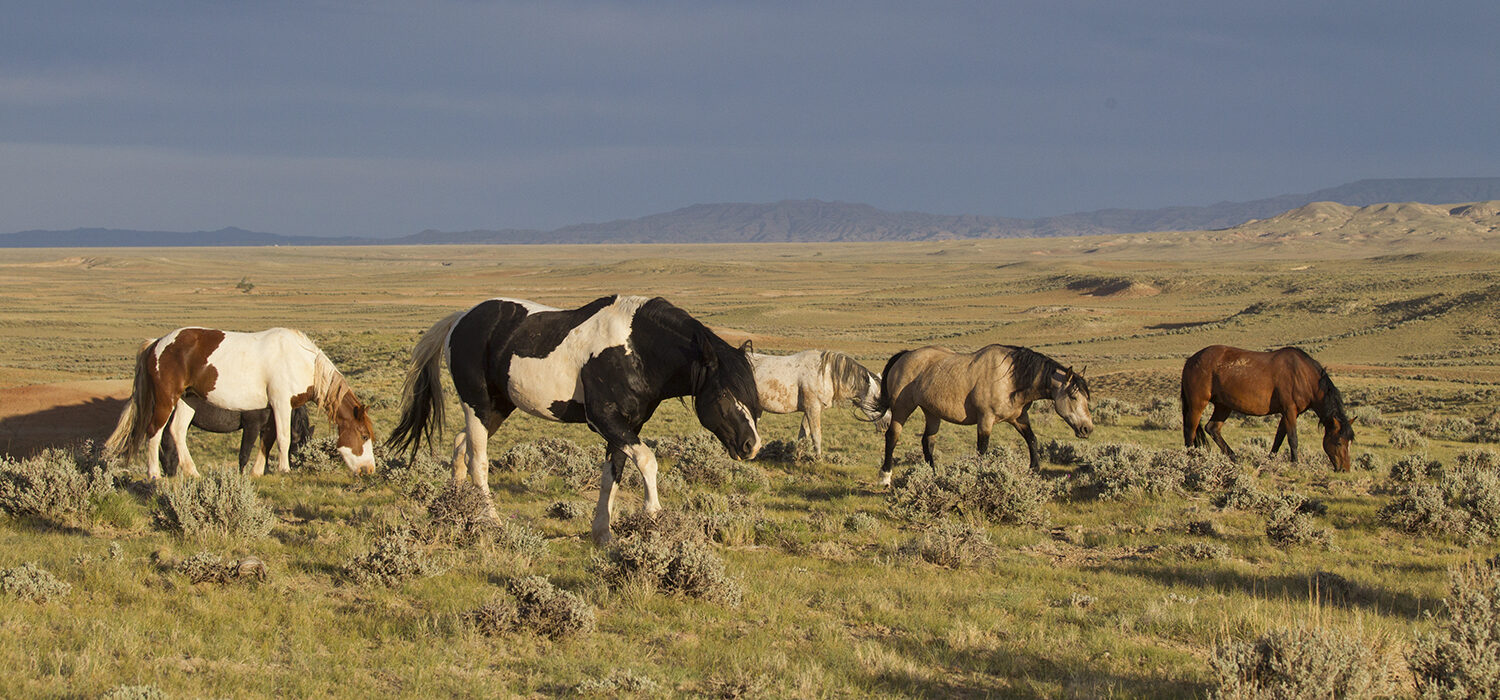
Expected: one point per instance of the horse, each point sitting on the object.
(607, 364)
(279, 368)
(1286, 381)
(812, 380)
(256, 425)
(994, 383)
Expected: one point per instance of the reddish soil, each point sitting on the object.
(55, 415)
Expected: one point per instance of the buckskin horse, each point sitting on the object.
(1286, 381)
(278, 368)
(608, 364)
(996, 383)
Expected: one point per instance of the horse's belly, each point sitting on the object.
(543, 387)
(777, 396)
(238, 397)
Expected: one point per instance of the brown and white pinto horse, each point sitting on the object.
(278, 368)
(1286, 381)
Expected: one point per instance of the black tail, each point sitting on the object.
(422, 393)
(135, 420)
(884, 403)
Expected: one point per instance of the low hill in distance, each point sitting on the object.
(818, 221)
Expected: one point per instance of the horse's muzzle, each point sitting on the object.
(1083, 431)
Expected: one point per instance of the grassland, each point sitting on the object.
(1090, 605)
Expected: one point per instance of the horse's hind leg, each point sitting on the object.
(812, 425)
(1216, 424)
(1192, 413)
(477, 432)
(180, 422)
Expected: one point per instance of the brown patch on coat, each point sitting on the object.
(302, 398)
(183, 366)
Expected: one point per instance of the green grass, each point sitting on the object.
(1095, 605)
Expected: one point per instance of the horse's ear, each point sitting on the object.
(747, 347)
(706, 352)
(1083, 371)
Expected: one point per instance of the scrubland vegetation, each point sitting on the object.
(1127, 567)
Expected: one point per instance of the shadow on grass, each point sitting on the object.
(989, 670)
(1330, 590)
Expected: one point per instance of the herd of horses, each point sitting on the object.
(610, 363)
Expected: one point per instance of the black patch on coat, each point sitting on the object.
(477, 340)
(545, 330)
(567, 411)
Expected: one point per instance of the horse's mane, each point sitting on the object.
(329, 387)
(850, 379)
(689, 330)
(1333, 399)
(1031, 370)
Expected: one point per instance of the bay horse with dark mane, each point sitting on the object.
(277, 368)
(1286, 381)
(608, 364)
(996, 383)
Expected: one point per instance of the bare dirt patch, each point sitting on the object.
(37, 416)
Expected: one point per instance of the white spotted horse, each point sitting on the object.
(608, 364)
(812, 380)
(278, 368)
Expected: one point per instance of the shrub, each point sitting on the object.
(998, 486)
(534, 605)
(1298, 663)
(1461, 658)
(1479, 460)
(1286, 526)
(1064, 453)
(1119, 470)
(796, 452)
(1201, 550)
(861, 523)
(567, 510)
(576, 465)
(459, 512)
(700, 459)
(134, 692)
(207, 567)
(1418, 508)
(1243, 493)
(392, 558)
(1457, 428)
(666, 554)
(619, 682)
(61, 486)
(730, 519)
(1406, 439)
(318, 456)
(951, 544)
(516, 538)
(1366, 461)
(1474, 493)
(419, 477)
(1163, 418)
(1366, 415)
(219, 502)
(1413, 468)
(31, 582)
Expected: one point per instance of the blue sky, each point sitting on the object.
(387, 118)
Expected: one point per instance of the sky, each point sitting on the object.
(324, 117)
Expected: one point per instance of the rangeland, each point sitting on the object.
(838, 598)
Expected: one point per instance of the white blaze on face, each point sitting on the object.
(749, 418)
(364, 461)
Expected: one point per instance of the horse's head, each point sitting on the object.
(356, 434)
(1070, 398)
(724, 394)
(1338, 432)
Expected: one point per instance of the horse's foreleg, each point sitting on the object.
(1215, 425)
(1280, 436)
(812, 426)
(1289, 425)
(179, 429)
(892, 434)
(1023, 426)
(610, 471)
(281, 414)
(645, 460)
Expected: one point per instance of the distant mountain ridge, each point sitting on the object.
(813, 220)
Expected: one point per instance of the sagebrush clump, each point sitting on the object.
(1461, 659)
(619, 681)
(1288, 526)
(998, 486)
(459, 512)
(701, 460)
(207, 567)
(536, 606)
(31, 582)
(395, 556)
(1298, 663)
(667, 554)
(221, 502)
(61, 486)
(952, 544)
(576, 465)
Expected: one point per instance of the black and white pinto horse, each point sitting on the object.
(257, 428)
(609, 364)
(812, 380)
